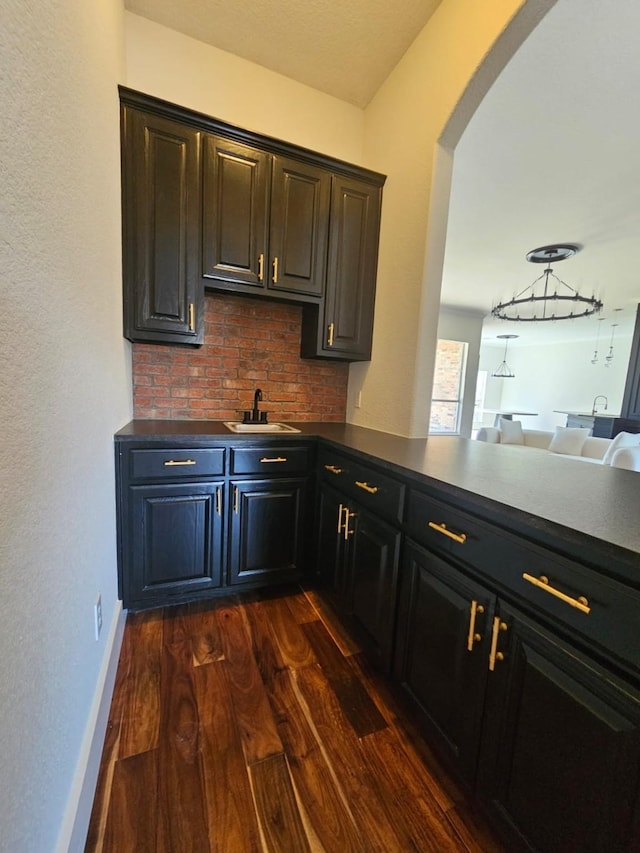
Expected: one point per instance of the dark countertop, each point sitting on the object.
(590, 512)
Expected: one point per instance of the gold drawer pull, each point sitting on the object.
(472, 636)
(180, 462)
(371, 489)
(260, 267)
(581, 603)
(275, 270)
(442, 528)
(330, 331)
(494, 654)
(334, 469)
(192, 322)
(274, 459)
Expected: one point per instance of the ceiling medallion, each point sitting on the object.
(548, 302)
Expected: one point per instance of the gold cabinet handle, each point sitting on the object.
(581, 603)
(275, 270)
(340, 510)
(260, 267)
(235, 500)
(494, 654)
(274, 459)
(333, 469)
(442, 528)
(192, 322)
(180, 462)
(472, 635)
(347, 518)
(371, 489)
(219, 500)
(330, 330)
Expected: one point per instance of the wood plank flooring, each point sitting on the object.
(253, 723)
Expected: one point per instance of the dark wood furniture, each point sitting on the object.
(506, 615)
(196, 519)
(163, 298)
(210, 205)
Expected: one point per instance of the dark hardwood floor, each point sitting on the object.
(254, 724)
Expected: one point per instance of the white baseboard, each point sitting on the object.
(78, 812)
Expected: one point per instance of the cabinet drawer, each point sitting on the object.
(269, 460)
(176, 463)
(372, 489)
(334, 468)
(568, 596)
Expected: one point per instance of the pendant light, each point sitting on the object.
(594, 360)
(609, 357)
(503, 371)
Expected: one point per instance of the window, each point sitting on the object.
(448, 381)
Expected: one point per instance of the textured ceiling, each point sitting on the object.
(345, 48)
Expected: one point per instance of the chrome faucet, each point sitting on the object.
(595, 403)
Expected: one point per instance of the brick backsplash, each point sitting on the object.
(248, 344)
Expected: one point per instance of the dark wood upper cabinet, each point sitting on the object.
(163, 296)
(235, 214)
(209, 205)
(299, 227)
(344, 328)
(265, 221)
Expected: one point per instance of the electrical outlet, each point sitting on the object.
(97, 616)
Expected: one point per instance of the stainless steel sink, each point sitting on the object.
(238, 426)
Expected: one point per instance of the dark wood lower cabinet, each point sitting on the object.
(178, 549)
(374, 573)
(548, 738)
(358, 555)
(266, 531)
(442, 646)
(559, 764)
(331, 549)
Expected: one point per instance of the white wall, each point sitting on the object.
(64, 390)
(180, 69)
(561, 376)
(412, 125)
(457, 325)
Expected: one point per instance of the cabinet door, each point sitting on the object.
(560, 760)
(441, 653)
(332, 546)
(163, 296)
(267, 529)
(345, 330)
(235, 215)
(375, 549)
(176, 541)
(299, 227)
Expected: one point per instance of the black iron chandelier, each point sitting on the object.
(548, 302)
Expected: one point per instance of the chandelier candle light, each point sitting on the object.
(549, 302)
